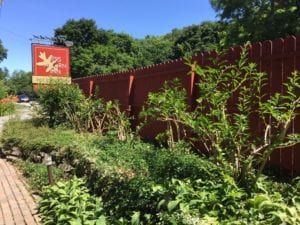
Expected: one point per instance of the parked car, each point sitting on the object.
(23, 98)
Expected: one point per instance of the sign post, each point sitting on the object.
(48, 162)
(50, 63)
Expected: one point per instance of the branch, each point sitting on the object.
(266, 141)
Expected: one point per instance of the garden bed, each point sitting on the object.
(140, 182)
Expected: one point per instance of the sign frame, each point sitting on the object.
(50, 64)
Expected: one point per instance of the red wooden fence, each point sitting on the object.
(277, 58)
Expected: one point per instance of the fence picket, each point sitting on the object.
(278, 58)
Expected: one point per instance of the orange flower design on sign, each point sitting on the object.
(50, 61)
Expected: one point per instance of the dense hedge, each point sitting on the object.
(142, 184)
(114, 169)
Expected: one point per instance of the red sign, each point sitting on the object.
(50, 61)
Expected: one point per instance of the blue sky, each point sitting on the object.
(20, 20)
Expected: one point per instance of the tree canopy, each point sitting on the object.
(19, 82)
(197, 38)
(97, 51)
(4, 74)
(3, 52)
(16, 83)
(257, 20)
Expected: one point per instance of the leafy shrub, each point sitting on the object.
(53, 99)
(34, 140)
(227, 136)
(66, 105)
(6, 107)
(271, 209)
(168, 106)
(223, 202)
(165, 164)
(117, 170)
(141, 184)
(70, 203)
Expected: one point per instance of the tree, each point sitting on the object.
(4, 74)
(83, 32)
(123, 42)
(253, 20)
(95, 50)
(3, 52)
(152, 50)
(99, 59)
(197, 38)
(20, 83)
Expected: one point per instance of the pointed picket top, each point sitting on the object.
(260, 49)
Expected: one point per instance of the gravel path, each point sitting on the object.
(24, 113)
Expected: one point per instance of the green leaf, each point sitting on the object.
(161, 203)
(135, 218)
(172, 205)
(101, 221)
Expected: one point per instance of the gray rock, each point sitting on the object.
(66, 167)
(11, 158)
(2, 153)
(16, 151)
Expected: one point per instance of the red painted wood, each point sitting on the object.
(287, 154)
(130, 93)
(296, 152)
(151, 80)
(276, 86)
(113, 88)
(257, 125)
(91, 91)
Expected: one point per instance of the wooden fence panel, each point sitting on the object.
(84, 85)
(276, 85)
(296, 162)
(150, 79)
(114, 87)
(277, 58)
(287, 154)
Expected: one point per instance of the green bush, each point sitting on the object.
(54, 97)
(70, 203)
(7, 108)
(223, 202)
(34, 140)
(229, 137)
(116, 170)
(66, 105)
(142, 184)
(168, 106)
